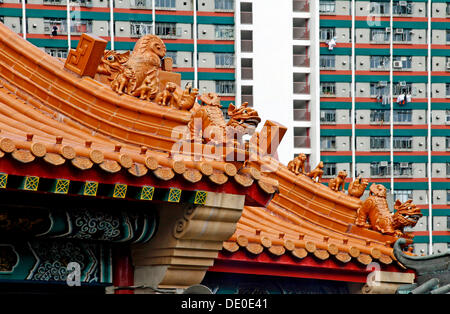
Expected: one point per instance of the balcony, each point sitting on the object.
(301, 33)
(246, 73)
(302, 142)
(246, 18)
(246, 45)
(301, 88)
(302, 115)
(300, 5)
(301, 61)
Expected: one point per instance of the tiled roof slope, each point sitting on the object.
(309, 218)
(51, 113)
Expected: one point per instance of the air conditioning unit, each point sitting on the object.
(388, 30)
(383, 163)
(448, 65)
(402, 84)
(403, 3)
(399, 31)
(382, 83)
(404, 165)
(398, 64)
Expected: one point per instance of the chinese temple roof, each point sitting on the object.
(50, 113)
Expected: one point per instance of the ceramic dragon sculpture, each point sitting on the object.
(374, 213)
(207, 121)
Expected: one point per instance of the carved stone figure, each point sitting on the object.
(357, 187)
(166, 97)
(297, 165)
(124, 82)
(337, 184)
(374, 213)
(317, 173)
(207, 121)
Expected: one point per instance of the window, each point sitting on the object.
(379, 35)
(447, 142)
(379, 7)
(402, 142)
(402, 195)
(379, 89)
(329, 169)
(402, 35)
(140, 29)
(379, 142)
(57, 52)
(327, 88)
(224, 60)
(448, 8)
(173, 55)
(166, 4)
(327, 142)
(448, 35)
(448, 196)
(327, 61)
(379, 63)
(328, 115)
(380, 169)
(379, 115)
(167, 30)
(227, 5)
(447, 89)
(404, 115)
(402, 88)
(448, 169)
(327, 6)
(224, 32)
(402, 169)
(51, 24)
(327, 33)
(402, 8)
(139, 4)
(404, 62)
(225, 87)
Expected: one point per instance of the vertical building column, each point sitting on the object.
(353, 93)
(237, 50)
(391, 78)
(68, 21)
(429, 142)
(111, 22)
(154, 17)
(24, 20)
(195, 53)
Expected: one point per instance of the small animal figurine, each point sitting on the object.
(166, 97)
(297, 164)
(337, 184)
(357, 187)
(317, 173)
(149, 87)
(124, 82)
(187, 99)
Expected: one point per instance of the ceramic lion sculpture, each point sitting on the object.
(357, 187)
(297, 165)
(374, 213)
(337, 184)
(317, 173)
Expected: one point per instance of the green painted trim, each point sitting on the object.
(436, 239)
(440, 79)
(215, 48)
(336, 51)
(213, 76)
(336, 159)
(186, 19)
(372, 158)
(335, 132)
(440, 185)
(336, 23)
(440, 106)
(335, 78)
(440, 52)
(222, 20)
(441, 158)
(436, 212)
(335, 105)
(440, 132)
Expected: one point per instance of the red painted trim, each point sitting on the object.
(215, 42)
(217, 70)
(288, 266)
(254, 195)
(202, 13)
(123, 272)
(436, 233)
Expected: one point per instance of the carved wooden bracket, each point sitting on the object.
(187, 242)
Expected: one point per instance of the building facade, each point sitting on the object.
(384, 106)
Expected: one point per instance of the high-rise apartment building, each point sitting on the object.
(384, 102)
